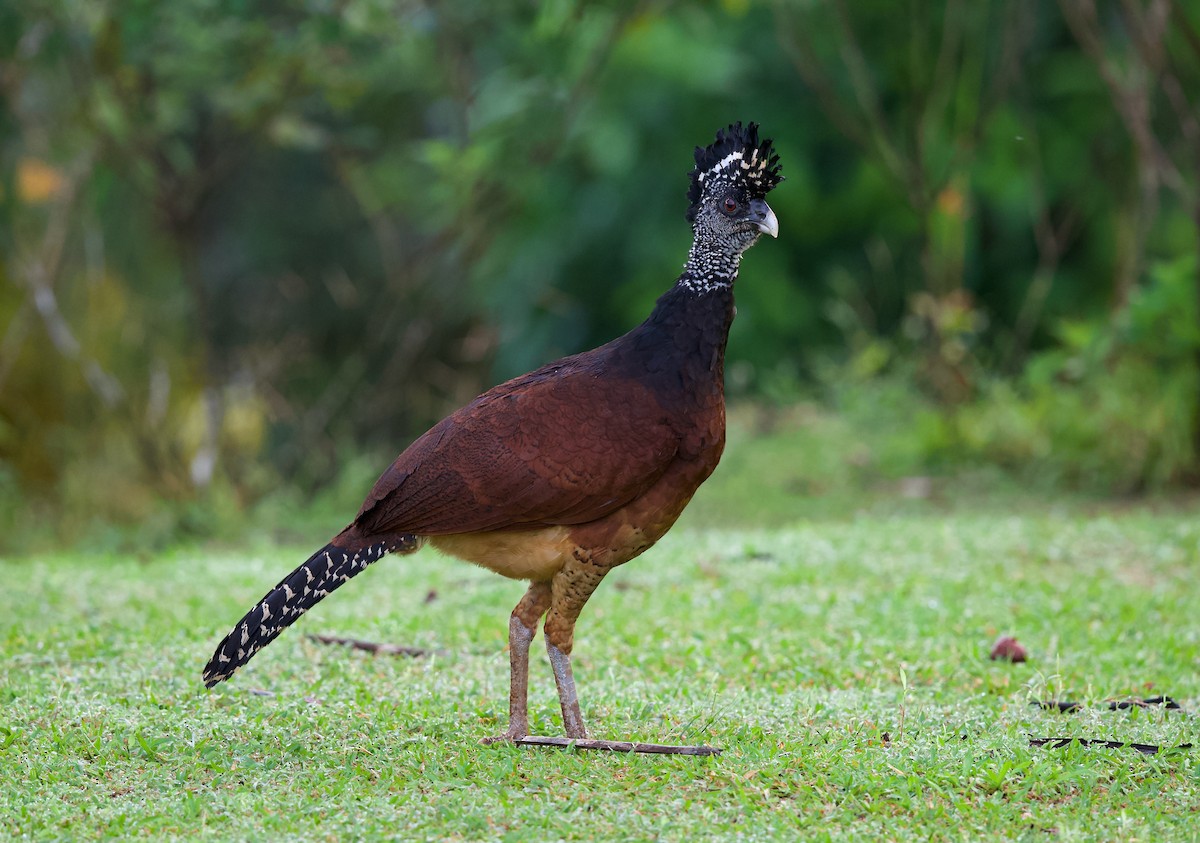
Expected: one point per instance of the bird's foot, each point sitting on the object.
(495, 739)
(514, 731)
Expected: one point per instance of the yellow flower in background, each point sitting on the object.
(37, 181)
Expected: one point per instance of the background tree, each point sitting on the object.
(240, 246)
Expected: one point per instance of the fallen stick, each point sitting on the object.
(617, 746)
(373, 647)
(1112, 705)
(1144, 748)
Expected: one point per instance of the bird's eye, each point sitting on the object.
(730, 204)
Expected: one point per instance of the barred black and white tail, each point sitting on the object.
(299, 591)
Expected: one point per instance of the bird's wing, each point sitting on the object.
(563, 445)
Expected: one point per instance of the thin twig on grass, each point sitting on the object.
(616, 746)
(1112, 705)
(1144, 748)
(373, 647)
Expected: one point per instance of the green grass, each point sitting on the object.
(806, 462)
(841, 665)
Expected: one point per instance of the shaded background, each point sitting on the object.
(248, 251)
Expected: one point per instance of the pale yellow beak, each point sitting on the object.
(763, 217)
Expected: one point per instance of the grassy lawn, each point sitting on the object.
(841, 664)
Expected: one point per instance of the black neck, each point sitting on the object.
(693, 317)
(680, 348)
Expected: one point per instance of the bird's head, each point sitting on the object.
(729, 185)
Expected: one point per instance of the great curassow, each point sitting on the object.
(561, 475)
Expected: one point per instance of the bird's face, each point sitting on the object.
(732, 216)
(729, 184)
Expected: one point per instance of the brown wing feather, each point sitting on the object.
(534, 451)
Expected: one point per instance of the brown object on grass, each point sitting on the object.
(1009, 649)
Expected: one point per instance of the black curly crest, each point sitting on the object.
(736, 156)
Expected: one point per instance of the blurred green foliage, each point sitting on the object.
(1113, 405)
(242, 243)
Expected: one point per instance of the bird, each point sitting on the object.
(559, 476)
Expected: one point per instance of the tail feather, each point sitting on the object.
(299, 591)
